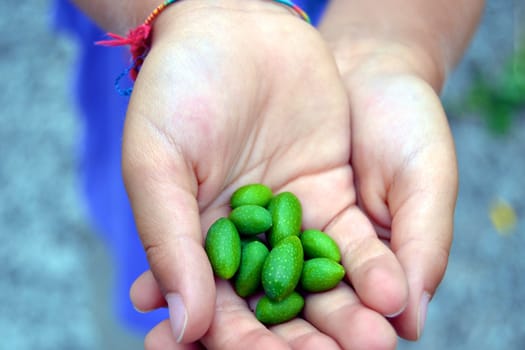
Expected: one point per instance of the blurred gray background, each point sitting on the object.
(55, 275)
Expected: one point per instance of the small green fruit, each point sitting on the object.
(248, 277)
(317, 244)
(273, 312)
(282, 269)
(287, 214)
(321, 274)
(256, 194)
(251, 219)
(223, 246)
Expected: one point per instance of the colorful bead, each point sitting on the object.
(158, 10)
(166, 3)
(296, 8)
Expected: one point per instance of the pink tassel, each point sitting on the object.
(138, 40)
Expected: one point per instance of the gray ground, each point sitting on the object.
(55, 274)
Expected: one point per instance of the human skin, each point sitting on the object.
(235, 92)
(394, 62)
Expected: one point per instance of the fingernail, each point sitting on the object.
(397, 313)
(422, 315)
(178, 315)
(139, 310)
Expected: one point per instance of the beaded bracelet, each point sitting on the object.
(139, 40)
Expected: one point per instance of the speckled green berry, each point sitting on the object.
(321, 274)
(248, 279)
(282, 269)
(251, 219)
(274, 312)
(256, 194)
(287, 214)
(223, 246)
(317, 244)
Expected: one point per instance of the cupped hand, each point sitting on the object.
(237, 92)
(405, 168)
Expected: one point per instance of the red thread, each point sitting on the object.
(138, 39)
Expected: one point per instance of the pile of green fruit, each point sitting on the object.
(260, 243)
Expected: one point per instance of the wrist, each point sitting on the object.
(424, 37)
(119, 16)
(212, 16)
(183, 11)
(358, 54)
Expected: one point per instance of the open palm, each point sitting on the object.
(228, 97)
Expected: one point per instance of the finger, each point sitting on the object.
(298, 333)
(423, 203)
(161, 338)
(234, 325)
(301, 335)
(371, 266)
(233, 319)
(162, 192)
(145, 294)
(373, 269)
(339, 314)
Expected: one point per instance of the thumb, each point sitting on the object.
(422, 230)
(423, 200)
(162, 190)
(421, 238)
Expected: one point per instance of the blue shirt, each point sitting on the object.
(102, 111)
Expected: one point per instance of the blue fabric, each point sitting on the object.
(314, 9)
(102, 113)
